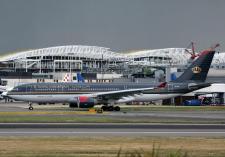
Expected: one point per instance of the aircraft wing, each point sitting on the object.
(119, 94)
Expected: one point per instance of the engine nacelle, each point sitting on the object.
(83, 102)
(73, 105)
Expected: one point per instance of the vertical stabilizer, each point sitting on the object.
(198, 70)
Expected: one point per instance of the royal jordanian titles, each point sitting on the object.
(86, 95)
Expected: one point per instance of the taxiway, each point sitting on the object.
(111, 129)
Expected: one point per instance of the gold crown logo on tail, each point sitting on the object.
(196, 70)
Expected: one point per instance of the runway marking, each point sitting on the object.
(74, 132)
(122, 124)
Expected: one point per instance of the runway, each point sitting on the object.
(157, 123)
(142, 115)
(111, 129)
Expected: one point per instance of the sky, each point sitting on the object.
(120, 25)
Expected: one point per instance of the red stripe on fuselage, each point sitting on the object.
(83, 98)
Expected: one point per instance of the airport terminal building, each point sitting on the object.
(61, 59)
(99, 64)
(75, 58)
(86, 58)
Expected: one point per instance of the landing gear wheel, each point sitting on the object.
(110, 108)
(116, 108)
(104, 108)
(31, 108)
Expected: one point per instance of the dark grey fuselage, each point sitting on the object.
(68, 92)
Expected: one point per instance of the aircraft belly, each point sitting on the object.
(153, 97)
(46, 98)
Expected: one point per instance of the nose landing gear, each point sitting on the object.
(30, 106)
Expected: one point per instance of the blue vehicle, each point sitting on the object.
(193, 102)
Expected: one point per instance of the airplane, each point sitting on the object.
(87, 95)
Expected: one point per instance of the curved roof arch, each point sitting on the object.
(69, 50)
(177, 55)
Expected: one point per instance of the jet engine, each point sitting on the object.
(84, 102)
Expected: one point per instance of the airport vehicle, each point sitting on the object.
(86, 95)
(193, 102)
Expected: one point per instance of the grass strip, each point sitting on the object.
(102, 119)
(111, 146)
(86, 117)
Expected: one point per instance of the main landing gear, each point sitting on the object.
(30, 106)
(110, 108)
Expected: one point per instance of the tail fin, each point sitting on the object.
(198, 70)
